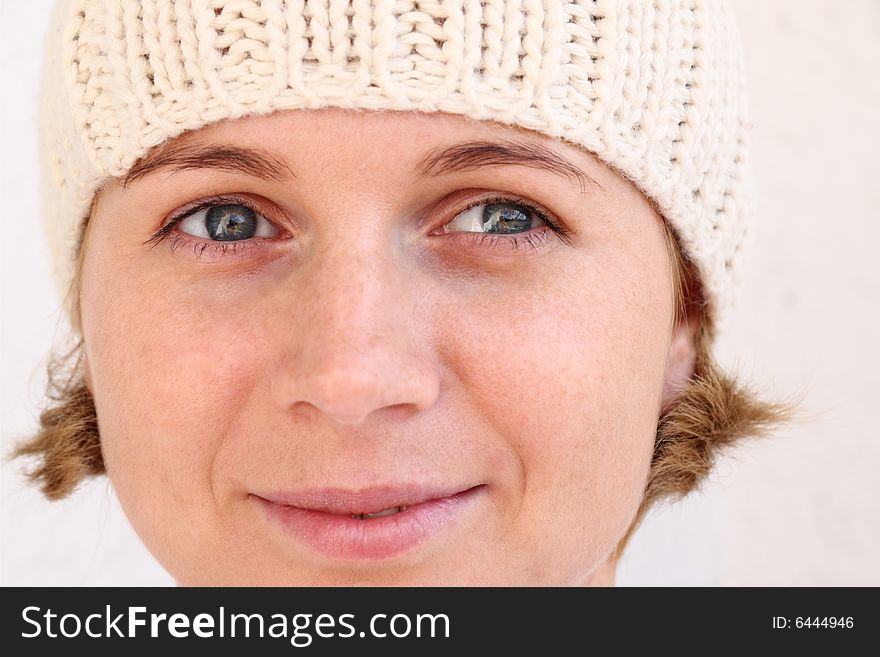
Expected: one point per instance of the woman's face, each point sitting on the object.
(410, 315)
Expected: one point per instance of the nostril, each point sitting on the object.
(349, 396)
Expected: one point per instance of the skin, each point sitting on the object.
(365, 346)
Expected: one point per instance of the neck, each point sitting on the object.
(603, 575)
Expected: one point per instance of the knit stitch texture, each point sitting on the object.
(654, 88)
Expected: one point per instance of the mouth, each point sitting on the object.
(379, 514)
(370, 524)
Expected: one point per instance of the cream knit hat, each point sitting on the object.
(653, 88)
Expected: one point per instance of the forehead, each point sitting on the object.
(334, 138)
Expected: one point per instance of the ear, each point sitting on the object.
(682, 359)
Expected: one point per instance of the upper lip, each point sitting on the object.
(343, 501)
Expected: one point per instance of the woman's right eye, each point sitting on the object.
(227, 223)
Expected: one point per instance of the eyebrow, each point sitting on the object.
(465, 156)
(473, 155)
(181, 157)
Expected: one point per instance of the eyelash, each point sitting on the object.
(535, 238)
(214, 249)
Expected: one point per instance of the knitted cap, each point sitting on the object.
(653, 88)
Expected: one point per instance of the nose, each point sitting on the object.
(356, 345)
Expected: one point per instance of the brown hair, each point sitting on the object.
(711, 412)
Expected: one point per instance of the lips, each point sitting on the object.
(369, 524)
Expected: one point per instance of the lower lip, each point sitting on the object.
(370, 539)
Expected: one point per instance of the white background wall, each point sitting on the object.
(802, 508)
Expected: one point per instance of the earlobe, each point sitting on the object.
(87, 374)
(682, 359)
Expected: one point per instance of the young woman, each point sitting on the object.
(393, 292)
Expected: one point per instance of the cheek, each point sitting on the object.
(571, 375)
(169, 374)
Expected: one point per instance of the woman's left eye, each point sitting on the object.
(504, 218)
(227, 223)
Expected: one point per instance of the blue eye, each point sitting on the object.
(226, 223)
(494, 218)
